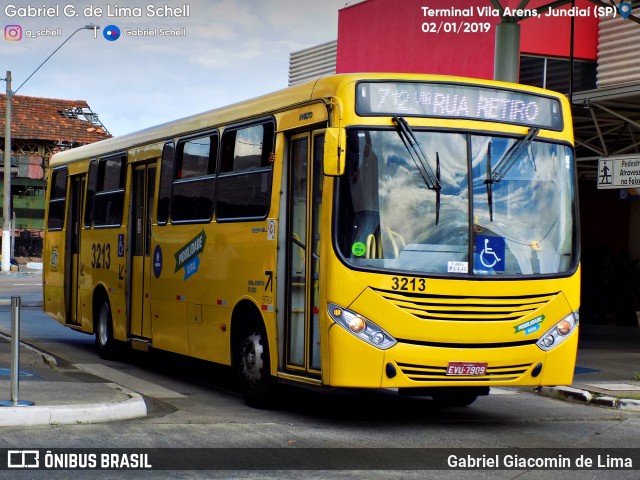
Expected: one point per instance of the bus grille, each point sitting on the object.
(467, 308)
(428, 373)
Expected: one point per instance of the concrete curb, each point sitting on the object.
(133, 407)
(48, 359)
(122, 404)
(584, 396)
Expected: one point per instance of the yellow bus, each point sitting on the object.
(382, 231)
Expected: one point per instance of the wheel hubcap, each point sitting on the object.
(252, 358)
(103, 332)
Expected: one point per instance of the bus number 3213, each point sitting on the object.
(406, 284)
(101, 255)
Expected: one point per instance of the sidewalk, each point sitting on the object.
(60, 395)
(607, 370)
(60, 392)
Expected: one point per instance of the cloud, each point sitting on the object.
(233, 50)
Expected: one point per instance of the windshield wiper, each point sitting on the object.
(439, 188)
(431, 179)
(489, 183)
(512, 155)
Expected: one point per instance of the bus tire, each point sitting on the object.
(105, 343)
(253, 368)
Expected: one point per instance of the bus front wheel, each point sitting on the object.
(105, 342)
(252, 366)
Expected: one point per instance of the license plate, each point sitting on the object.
(466, 368)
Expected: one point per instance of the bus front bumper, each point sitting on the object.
(353, 363)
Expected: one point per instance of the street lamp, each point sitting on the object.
(6, 210)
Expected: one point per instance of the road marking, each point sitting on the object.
(134, 383)
(615, 386)
(501, 391)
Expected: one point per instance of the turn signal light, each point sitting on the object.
(563, 327)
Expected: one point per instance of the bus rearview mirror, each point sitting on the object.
(334, 141)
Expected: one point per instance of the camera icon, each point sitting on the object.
(13, 33)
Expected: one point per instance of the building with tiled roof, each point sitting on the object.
(41, 127)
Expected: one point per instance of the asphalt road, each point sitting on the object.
(199, 407)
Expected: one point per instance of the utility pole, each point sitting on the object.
(506, 66)
(507, 54)
(6, 199)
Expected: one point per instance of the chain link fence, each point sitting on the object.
(28, 245)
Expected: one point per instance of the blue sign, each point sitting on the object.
(157, 261)
(191, 267)
(121, 245)
(490, 253)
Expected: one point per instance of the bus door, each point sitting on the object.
(139, 259)
(74, 269)
(302, 344)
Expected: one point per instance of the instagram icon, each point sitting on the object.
(13, 33)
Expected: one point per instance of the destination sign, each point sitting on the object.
(447, 100)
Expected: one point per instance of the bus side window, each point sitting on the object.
(244, 183)
(166, 179)
(109, 197)
(91, 193)
(57, 199)
(194, 179)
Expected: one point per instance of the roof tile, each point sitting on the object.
(36, 118)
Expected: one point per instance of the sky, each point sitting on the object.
(228, 51)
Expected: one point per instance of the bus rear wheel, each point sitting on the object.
(253, 368)
(105, 342)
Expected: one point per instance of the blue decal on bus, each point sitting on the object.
(490, 253)
(121, 244)
(188, 256)
(191, 267)
(530, 326)
(157, 261)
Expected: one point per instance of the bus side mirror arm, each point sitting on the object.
(334, 154)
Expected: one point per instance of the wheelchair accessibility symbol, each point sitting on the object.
(121, 245)
(491, 253)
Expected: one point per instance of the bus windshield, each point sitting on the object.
(501, 205)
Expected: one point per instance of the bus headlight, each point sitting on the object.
(559, 332)
(361, 327)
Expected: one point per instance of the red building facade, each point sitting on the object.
(419, 36)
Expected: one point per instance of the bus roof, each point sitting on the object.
(298, 94)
